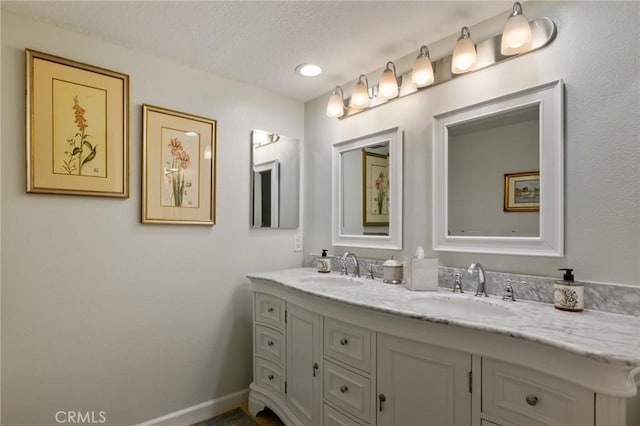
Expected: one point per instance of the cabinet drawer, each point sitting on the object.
(526, 397)
(269, 375)
(269, 310)
(348, 391)
(269, 344)
(332, 417)
(348, 343)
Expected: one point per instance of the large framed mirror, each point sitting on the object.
(367, 191)
(275, 181)
(498, 169)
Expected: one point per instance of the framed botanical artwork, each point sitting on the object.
(178, 167)
(375, 189)
(522, 192)
(77, 133)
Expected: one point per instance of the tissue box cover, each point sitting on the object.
(422, 274)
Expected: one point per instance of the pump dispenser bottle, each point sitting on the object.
(324, 262)
(567, 294)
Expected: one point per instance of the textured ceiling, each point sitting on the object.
(261, 42)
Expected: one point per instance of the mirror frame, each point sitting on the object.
(392, 241)
(550, 241)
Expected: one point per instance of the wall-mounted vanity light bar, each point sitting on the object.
(519, 37)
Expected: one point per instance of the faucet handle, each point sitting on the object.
(508, 292)
(457, 284)
(370, 269)
(343, 267)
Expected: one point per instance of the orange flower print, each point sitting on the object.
(81, 150)
(81, 122)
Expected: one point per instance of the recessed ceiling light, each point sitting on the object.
(308, 70)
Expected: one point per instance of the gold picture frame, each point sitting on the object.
(522, 192)
(178, 167)
(77, 128)
(375, 189)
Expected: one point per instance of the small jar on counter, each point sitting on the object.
(392, 271)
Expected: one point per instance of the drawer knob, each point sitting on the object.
(531, 400)
(270, 377)
(343, 388)
(343, 341)
(269, 343)
(269, 309)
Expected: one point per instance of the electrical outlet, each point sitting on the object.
(297, 242)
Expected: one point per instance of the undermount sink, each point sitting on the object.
(461, 306)
(331, 281)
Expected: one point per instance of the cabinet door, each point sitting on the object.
(421, 384)
(304, 377)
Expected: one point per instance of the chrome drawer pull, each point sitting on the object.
(343, 388)
(269, 343)
(531, 400)
(343, 341)
(270, 377)
(269, 309)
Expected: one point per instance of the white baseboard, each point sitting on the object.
(199, 412)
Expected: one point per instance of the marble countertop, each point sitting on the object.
(604, 337)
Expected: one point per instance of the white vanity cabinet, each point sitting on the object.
(365, 378)
(321, 361)
(419, 383)
(287, 348)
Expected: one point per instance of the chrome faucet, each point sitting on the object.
(482, 289)
(356, 264)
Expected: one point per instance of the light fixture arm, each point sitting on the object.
(517, 9)
(465, 32)
(389, 66)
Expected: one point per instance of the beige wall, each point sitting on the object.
(102, 313)
(595, 53)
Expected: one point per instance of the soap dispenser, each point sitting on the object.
(567, 294)
(324, 262)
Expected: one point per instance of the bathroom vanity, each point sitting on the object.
(335, 350)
